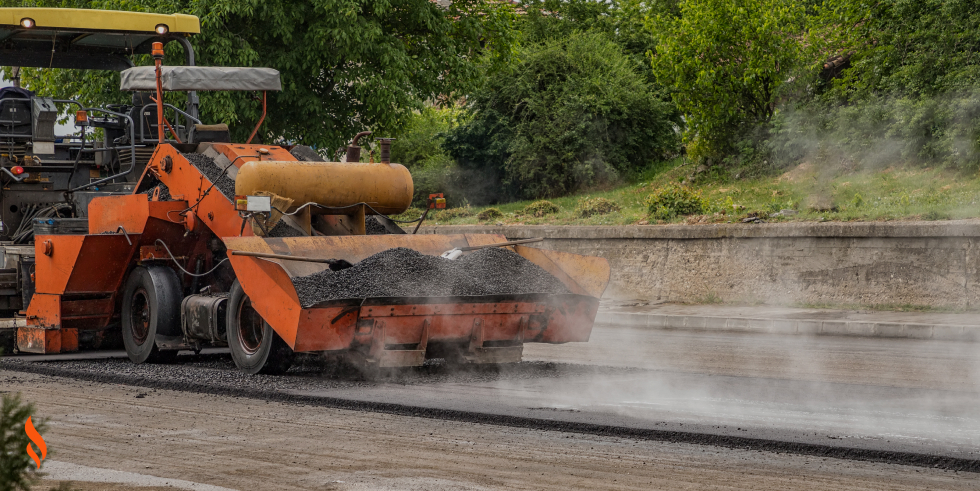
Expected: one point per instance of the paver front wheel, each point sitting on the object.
(254, 345)
(150, 307)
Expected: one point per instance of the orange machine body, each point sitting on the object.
(505, 321)
(79, 276)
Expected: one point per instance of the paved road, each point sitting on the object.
(543, 424)
(876, 394)
(811, 393)
(123, 436)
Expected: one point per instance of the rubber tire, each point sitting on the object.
(272, 356)
(162, 295)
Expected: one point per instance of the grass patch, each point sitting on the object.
(453, 213)
(489, 214)
(590, 207)
(807, 191)
(539, 209)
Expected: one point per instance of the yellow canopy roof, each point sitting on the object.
(84, 38)
(99, 20)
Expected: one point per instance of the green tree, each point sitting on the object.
(622, 21)
(727, 62)
(346, 65)
(14, 460)
(569, 113)
(419, 144)
(900, 48)
(897, 82)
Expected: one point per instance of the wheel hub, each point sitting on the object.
(250, 326)
(140, 312)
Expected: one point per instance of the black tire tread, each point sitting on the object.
(273, 357)
(163, 288)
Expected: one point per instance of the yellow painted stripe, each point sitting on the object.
(101, 20)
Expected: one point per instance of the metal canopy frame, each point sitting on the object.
(84, 39)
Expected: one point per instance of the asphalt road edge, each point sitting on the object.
(811, 327)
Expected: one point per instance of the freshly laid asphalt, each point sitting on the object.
(888, 400)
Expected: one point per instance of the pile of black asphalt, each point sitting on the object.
(402, 272)
(214, 173)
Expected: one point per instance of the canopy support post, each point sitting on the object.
(256, 130)
(192, 99)
(158, 61)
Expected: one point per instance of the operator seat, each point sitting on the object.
(214, 133)
(144, 114)
(15, 112)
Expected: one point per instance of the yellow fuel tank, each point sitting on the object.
(387, 188)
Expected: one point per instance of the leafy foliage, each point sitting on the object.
(727, 61)
(412, 213)
(880, 131)
(672, 201)
(346, 65)
(901, 48)
(570, 112)
(622, 21)
(596, 206)
(15, 464)
(419, 147)
(419, 143)
(898, 82)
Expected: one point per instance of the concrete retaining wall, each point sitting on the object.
(917, 263)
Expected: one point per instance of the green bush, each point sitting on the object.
(568, 113)
(672, 201)
(15, 465)
(428, 181)
(539, 209)
(419, 147)
(489, 214)
(877, 132)
(903, 88)
(596, 206)
(461, 186)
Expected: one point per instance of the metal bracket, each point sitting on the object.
(477, 353)
(383, 357)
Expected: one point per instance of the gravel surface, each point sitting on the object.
(164, 191)
(283, 230)
(214, 173)
(374, 227)
(402, 272)
(307, 374)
